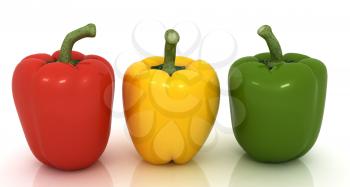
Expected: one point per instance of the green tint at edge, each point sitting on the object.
(277, 102)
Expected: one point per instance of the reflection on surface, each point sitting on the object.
(96, 175)
(251, 173)
(147, 175)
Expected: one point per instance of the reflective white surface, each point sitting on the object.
(220, 163)
(97, 175)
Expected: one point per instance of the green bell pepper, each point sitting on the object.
(277, 102)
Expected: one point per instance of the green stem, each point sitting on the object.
(171, 40)
(72, 37)
(265, 32)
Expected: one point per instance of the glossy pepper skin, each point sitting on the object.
(170, 109)
(64, 104)
(277, 102)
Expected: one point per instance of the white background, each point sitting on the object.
(318, 28)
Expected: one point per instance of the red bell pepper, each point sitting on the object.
(64, 103)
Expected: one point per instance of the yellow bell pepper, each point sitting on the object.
(170, 104)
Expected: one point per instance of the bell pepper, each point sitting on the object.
(277, 102)
(170, 104)
(64, 104)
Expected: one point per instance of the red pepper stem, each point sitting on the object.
(265, 32)
(171, 40)
(72, 37)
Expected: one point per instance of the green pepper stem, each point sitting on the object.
(72, 37)
(265, 32)
(171, 40)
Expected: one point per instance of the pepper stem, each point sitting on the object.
(171, 40)
(265, 32)
(72, 37)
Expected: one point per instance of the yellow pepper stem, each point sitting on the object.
(171, 40)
